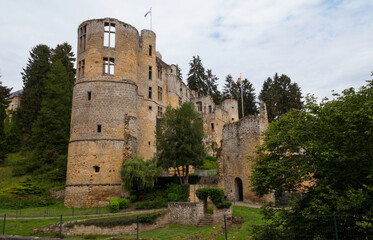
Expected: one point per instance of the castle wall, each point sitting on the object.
(238, 149)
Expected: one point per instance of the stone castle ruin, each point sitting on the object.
(122, 88)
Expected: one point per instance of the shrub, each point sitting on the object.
(172, 197)
(133, 198)
(16, 202)
(155, 204)
(124, 203)
(182, 191)
(216, 196)
(209, 163)
(114, 205)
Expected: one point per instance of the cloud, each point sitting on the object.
(321, 45)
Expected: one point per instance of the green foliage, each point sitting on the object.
(124, 203)
(118, 221)
(328, 146)
(34, 79)
(22, 195)
(209, 163)
(216, 195)
(232, 89)
(13, 132)
(155, 204)
(133, 198)
(138, 174)
(178, 193)
(179, 137)
(280, 95)
(4, 93)
(201, 81)
(114, 205)
(210, 209)
(172, 197)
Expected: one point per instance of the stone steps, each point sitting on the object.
(206, 220)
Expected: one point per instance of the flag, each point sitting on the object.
(239, 80)
(150, 11)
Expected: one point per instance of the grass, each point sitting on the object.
(6, 169)
(54, 210)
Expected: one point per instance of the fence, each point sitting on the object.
(322, 227)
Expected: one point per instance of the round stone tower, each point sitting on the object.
(104, 111)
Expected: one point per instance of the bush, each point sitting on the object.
(216, 196)
(124, 203)
(181, 191)
(114, 205)
(209, 163)
(133, 198)
(16, 202)
(172, 197)
(155, 204)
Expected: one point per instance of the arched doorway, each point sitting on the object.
(239, 190)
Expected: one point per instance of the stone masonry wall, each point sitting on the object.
(185, 213)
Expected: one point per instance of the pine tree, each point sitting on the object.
(232, 89)
(34, 78)
(50, 132)
(212, 87)
(4, 94)
(179, 75)
(280, 95)
(63, 52)
(197, 77)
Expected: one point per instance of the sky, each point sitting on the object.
(322, 45)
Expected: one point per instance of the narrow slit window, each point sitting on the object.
(150, 50)
(99, 128)
(160, 94)
(89, 95)
(212, 126)
(109, 34)
(150, 93)
(108, 65)
(150, 72)
(210, 109)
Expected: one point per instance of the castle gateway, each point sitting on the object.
(122, 88)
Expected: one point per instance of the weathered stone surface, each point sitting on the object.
(238, 149)
(185, 213)
(121, 105)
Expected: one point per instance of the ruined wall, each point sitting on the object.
(185, 213)
(113, 115)
(238, 148)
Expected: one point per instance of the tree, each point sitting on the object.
(63, 52)
(280, 95)
(50, 132)
(138, 174)
(212, 87)
(4, 94)
(179, 137)
(34, 78)
(197, 76)
(324, 150)
(178, 73)
(232, 89)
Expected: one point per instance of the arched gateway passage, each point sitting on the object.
(239, 190)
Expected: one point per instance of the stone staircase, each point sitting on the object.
(206, 220)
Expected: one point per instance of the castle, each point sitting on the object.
(122, 88)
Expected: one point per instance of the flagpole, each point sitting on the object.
(243, 114)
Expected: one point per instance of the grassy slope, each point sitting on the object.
(6, 169)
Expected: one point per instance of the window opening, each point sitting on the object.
(109, 34)
(160, 73)
(150, 93)
(89, 95)
(81, 65)
(232, 119)
(97, 168)
(210, 109)
(212, 126)
(150, 72)
(180, 101)
(82, 37)
(150, 108)
(199, 106)
(108, 65)
(160, 113)
(99, 128)
(160, 94)
(150, 50)
(149, 143)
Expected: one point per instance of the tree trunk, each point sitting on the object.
(186, 174)
(180, 177)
